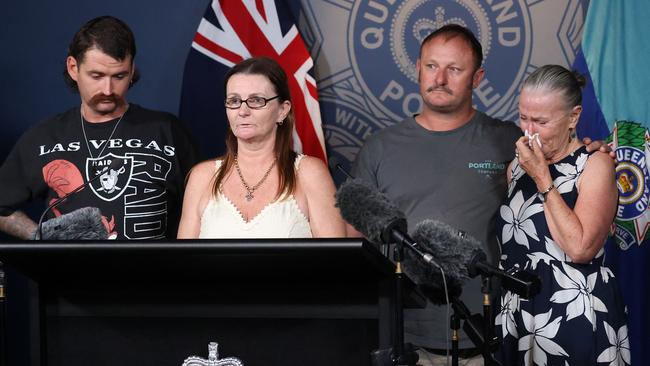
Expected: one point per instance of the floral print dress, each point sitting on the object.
(579, 317)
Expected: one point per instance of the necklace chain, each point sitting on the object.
(83, 129)
(249, 189)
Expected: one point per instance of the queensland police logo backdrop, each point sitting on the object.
(365, 53)
(385, 40)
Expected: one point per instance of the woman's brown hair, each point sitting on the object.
(283, 152)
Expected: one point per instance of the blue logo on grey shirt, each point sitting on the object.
(487, 168)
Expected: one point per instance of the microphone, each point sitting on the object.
(115, 164)
(380, 221)
(374, 215)
(81, 224)
(462, 258)
(524, 283)
(369, 211)
(431, 236)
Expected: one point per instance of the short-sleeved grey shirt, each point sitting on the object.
(457, 177)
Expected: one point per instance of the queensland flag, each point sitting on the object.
(615, 49)
(232, 31)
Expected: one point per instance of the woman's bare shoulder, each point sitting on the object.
(204, 170)
(312, 168)
(600, 161)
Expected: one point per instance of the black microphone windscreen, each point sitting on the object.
(450, 250)
(367, 210)
(81, 224)
(429, 279)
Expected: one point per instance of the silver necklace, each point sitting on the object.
(250, 190)
(83, 129)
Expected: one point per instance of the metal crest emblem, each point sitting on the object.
(213, 358)
(632, 143)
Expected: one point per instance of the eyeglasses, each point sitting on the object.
(251, 102)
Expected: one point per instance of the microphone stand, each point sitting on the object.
(474, 333)
(402, 355)
(455, 326)
(3, 315)
(399, 358)
(399, 313)
(487, 316)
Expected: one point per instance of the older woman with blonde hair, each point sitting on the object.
(560, 205)
(260, 188)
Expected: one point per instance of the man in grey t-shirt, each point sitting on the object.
(447, 163)
(457, 177)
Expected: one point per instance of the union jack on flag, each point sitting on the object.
(232, 31)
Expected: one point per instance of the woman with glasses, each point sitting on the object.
(260, 188)
(559, 208)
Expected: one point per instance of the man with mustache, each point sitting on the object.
(100, 66)
(456, 171)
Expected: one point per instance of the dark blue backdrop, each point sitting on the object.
(34, 38)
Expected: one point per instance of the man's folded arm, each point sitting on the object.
(19, 225)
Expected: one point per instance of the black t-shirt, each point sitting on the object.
(139, 199)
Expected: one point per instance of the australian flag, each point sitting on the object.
(232, 31)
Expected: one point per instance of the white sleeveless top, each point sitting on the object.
(282, 218)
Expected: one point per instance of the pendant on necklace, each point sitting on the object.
(249, 196)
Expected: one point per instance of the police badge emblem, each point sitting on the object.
(375, 84)
(633, 181)
(395, 32)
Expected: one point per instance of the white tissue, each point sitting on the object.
(531, 138)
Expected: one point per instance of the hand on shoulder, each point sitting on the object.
(601, 160)
(600, 146)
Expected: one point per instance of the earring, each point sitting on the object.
(572, 134)
(279, 123)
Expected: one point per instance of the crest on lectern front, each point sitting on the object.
(213, 358)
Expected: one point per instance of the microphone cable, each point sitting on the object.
(429, 259)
